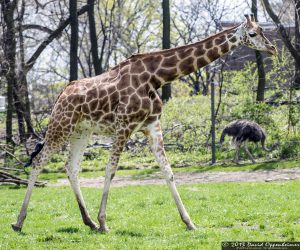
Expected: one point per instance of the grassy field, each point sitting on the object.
(145, 217)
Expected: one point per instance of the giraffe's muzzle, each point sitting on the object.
(272, 50)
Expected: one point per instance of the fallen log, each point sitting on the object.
(6, 178)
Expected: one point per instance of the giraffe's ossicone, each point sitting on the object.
(124, 100)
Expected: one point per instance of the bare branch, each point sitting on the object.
(51, 37)
(37, 27)
(283, 32)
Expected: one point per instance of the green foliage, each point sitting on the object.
(185, 122)
(258, 112)
(221, 211)
(290, 149)
(294, 114)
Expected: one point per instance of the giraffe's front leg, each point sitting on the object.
(111, 168)
(156, 143)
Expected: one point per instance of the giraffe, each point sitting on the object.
(124, 100)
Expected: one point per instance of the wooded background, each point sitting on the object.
(45, 44)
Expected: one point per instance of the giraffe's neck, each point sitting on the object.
(167, 65)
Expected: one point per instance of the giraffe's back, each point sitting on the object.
(100, 102)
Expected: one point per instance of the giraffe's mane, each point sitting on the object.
(165, 51)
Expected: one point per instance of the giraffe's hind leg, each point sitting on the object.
(37, 167)
(78, 143)
(110, 171)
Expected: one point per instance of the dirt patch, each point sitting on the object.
(189, 178)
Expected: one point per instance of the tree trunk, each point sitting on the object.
(166, 89)
(260, 95)
(22, 80)
(297, 42)
(213, 123)
(19, 112)
(74, 40)
(93, 38)
(9, 42)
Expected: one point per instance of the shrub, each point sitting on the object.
(290, 149)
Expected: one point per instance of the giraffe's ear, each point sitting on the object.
(248, 19)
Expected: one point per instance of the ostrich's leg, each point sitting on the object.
(78, 144)
(238, 148)
(248, 152)
(156, 143)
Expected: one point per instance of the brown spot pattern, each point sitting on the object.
(199, 51)
(167, 74)
(152, 62)
(170, 62)
(201, 62)
(155, 81)
(187, 66)
(208, 44)
(184, 52)
(219, 40)
(213, 54)
(137, 67)
(144, 77)
(224, 48)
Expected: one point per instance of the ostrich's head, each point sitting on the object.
(252, 36)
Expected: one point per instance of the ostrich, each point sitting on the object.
(243, 131)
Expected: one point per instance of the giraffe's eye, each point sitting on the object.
(252, 34)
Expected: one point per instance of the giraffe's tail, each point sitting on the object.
(38, 147)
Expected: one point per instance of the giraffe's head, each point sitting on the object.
(253, 36)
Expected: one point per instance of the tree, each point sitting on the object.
(73, 40)
(260, 95)
(186, 20)
(97, 39)
(166, 89)
(13, 29)
(297, 41)
(138, 26)
(293, 48)
(21, 92)
(93, 38)
(9, 44)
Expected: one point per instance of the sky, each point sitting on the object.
(239, 7)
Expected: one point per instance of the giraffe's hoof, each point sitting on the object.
(191, 227)
(102, 229)
(94, 227)
(16, 228)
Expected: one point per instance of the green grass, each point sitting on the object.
(145, 217)
(272, 165)
(141, 173)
